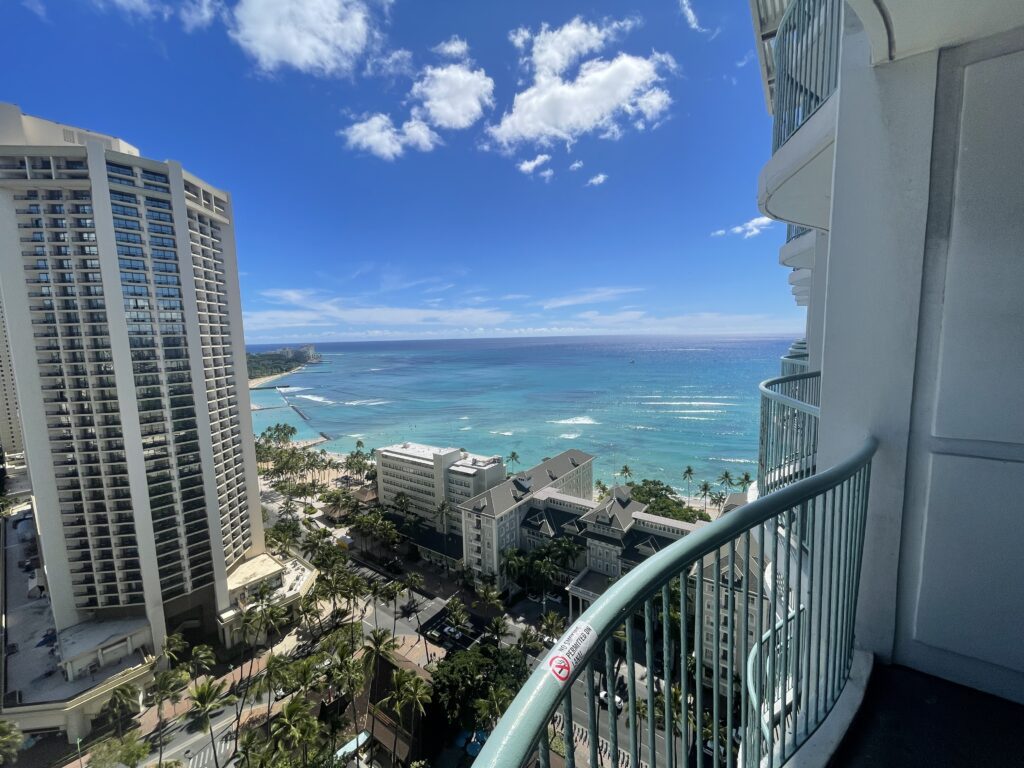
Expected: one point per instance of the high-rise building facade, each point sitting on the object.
(120, 293)
(10, 422)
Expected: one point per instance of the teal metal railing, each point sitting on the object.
(738, 670)
(794, 363)
(788, 447)
(806, 63)
(793, 231)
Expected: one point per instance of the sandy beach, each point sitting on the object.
(264, 380)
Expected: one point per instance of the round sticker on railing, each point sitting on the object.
(571, 650)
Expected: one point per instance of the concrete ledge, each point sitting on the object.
(818, 750)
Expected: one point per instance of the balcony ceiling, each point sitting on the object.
(766, 15)
(900, 28)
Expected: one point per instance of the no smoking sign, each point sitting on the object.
(571, 651)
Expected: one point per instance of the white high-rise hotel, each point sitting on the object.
(120, 292)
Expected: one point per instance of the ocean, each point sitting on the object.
(654, 403)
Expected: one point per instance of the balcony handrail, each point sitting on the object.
(524, 726)
(788, 446)
(806, 56)
(810, 404)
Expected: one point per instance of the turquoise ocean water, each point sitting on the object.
(654, 403)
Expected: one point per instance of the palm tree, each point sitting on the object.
(10, 742)
(601, 488)
(275, 678)
(704, 490)
(552, 624)
(349, 677)
(251, 748)
(296, 728)
(745, 481)
(208, 697)
(441, 513)
(688, 477)
(497, 629)
(123, 701)
(513, 458)
(725, 480)
(565, 550)
(543, 570)
(513, 564)
(416, 694)
(491, 707)
(200, 661)
(489, 597)
(626, 472)
(718, 499)
(399, 679)
(378, 648)
(458, 616)
(167, 687)
(174, 649)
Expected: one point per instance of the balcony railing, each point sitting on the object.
(779, 595)
(794, 363)
(806, 63)
(789, 430)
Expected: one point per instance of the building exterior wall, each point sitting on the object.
(10, 420)
(123, 275)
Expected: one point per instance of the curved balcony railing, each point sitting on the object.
(788, 447)
(806, 63)
(770, 638)
(794, 363)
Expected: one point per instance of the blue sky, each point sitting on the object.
(407, 169)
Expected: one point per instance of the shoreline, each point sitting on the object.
(264, 380)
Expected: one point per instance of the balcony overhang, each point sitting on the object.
(796, 184)
(798, 253)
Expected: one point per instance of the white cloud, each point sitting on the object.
(576, 165)
(747, 58)
(691, 16)
(199, 14)
(593, 296)
(379, 136)
(748, 229)
(596, 181)
(554, 107)
(547, 174)
(139, 7)
(319, 37)
(453, 96)
(397, 62)
(529, 166)
(454, 48)
(554, 50)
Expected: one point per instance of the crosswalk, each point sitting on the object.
(203, 757)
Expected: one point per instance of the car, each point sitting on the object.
(533, 598)
(603, 698)
(555, 598)
(453, 633)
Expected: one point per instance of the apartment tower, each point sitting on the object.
(119, 288)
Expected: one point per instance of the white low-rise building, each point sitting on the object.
(428, 476)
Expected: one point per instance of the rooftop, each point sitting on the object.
(507, 495)
(33, 671)
(89, 635)
(19, 129)
(467, 461)
(254, 569)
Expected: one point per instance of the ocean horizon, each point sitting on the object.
(655, 403)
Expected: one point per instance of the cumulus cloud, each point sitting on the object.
(596, 181)
(547, 174)
(454, 48)
(318, 37)
(576, 165)
(559, 107)
(378, 135)
(529, 166)
(748, 229)
(453, 96)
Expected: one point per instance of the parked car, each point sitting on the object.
(603, 698)
(532, 597)
(453, 633)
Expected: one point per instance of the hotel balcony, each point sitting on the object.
(803, 59)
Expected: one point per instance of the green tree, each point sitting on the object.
(704, 491)
(688, 478)
(174, 649)
(489, 597)
(725, 480)
(441, 513)
(626, 473)
(209, 697)
(10, 742)
(200, 661)
(123, 702)
(492, 706)
(513, 458)
(296, 729)
(552, 624)
(378, 648)
(167, 687)
(497, 629)
(128, 750)
(745, 481)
